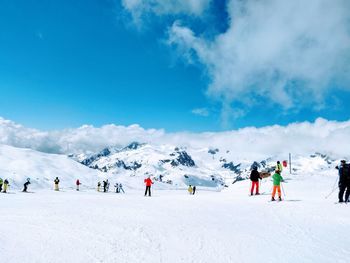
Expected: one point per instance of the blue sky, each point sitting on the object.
(67, 63)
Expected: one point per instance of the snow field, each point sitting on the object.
(172, 226)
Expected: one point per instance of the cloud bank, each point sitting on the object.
(329, 137)
(289, 52)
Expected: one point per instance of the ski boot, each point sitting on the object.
(279, 199)
(273, 199)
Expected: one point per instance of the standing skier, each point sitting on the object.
(279, 167)
(105, 186)
(254, 177)
(6, 185)
(25, 186)
(116, 188)
(190, 189)
(121, 189)
(1, 182)
(98, 186)
(193, 189)
(148, 183)
(277, 178)
(56, 181)
(78, 183)
(344, 181)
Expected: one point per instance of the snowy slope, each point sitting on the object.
(18, 164)
(172, 226)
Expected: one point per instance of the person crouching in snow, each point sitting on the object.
(190, 189)
(78, 183)
(277, 179)
(148, 183)
(25, 186)
(254, 177)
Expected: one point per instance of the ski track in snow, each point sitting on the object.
(172, 226)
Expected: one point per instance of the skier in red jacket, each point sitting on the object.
(148, 183)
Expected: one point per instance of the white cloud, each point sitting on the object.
(140, 9)
(329, 137)
(270, 45)
(201, 112)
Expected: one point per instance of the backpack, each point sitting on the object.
(346, 171)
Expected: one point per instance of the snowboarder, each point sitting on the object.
(25, 186)
(190, 189)
(193, 189)
(1, 182)
(56, 181)
(78, 183)
(98, 186)
(254, 177)
(148, 183)
(277, 179)
(344, 181)
(6, 185)
(279, 167)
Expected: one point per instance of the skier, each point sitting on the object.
(6, 185)
(277, 178)
(56, 181)
(105, 186)
(344, 181)
(116, 188)
(25, 186)
(1, 182)
(121, 188)
(193, 189)
(190, 190)
(98, 186)
(254, 177)
(279, 167)
(78, 183)
(148, 183)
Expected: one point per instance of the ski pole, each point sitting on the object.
(284, 193)
(333, 189)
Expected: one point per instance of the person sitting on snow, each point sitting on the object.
(277, 179)
(26, 185)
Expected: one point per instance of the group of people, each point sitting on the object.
(276, 177)
(343, 183)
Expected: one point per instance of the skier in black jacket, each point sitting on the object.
(344, 181)
(254, 177)
(26, 185)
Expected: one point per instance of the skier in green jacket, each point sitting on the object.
(277, 179)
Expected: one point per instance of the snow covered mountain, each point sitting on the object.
(178, 167)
